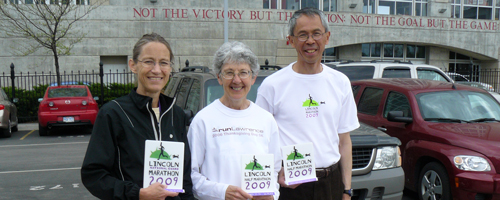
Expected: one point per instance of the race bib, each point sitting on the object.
(164, 163)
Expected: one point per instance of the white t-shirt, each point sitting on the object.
(310, 108)
(218, 136)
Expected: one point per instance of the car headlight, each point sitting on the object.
(387, 157)
(471, 163)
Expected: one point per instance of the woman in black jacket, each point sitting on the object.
(114, 162)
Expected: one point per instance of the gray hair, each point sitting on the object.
(309, 12)
(235, 52)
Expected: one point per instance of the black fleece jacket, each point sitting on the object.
(114, 163)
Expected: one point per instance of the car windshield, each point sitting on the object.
(214, 91)
(67, 92)
(458, 106)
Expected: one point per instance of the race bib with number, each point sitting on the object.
(298, 163)
(164, 163)
(258, 174)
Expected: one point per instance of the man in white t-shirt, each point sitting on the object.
(313, 103)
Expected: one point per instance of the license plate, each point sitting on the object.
(68, 119)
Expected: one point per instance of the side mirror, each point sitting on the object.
(96, 98)
(189, 116)
(397, 116)
(40, 100)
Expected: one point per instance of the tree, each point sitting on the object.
(47, 24)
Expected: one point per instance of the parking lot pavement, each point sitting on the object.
(27, 126)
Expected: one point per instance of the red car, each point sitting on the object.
(450, 134)
(67, 105)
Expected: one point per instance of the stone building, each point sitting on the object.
(450, 34)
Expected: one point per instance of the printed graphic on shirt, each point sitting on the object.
(239, 131)
(258, 173)
(311, 107)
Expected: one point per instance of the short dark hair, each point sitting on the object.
(309, 12)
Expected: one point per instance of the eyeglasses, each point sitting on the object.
(150, 63)
(316, 36)
(230, 74)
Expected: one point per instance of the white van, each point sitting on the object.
(386, 69)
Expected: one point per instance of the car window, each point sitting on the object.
(430, 74)
(170, 87)
(67, 92)
(182, 92)
(213, 91)
(444, 104)
(357, 72)
(397, 102)
(193, 98)
(355, 90)
(458, 78)
(370, 101)
(396, 73)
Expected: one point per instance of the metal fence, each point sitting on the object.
(28, 87)
(488, 76)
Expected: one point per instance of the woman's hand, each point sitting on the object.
(236, 193)
(156, 191)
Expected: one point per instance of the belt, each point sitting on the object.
(324, 172)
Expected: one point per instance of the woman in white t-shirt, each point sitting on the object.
(229, 127)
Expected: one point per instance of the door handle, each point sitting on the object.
(382, 129)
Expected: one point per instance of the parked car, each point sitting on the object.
(482, 86)
(67, 105)
(377, 173)
(385, 69)
(8, 115)
(459, 78)
(450, 134)
(71, 83)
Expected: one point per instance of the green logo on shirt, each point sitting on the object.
(310, 102)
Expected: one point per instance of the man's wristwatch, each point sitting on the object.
(348, 192)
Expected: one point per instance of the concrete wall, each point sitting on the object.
(113, 29)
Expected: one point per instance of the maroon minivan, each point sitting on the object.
(450, 134)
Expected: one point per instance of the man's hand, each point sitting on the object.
(346, 197)
(236, 193)
(281, 180)
(269, 197)
(156, 191)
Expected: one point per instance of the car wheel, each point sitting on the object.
(7, 132)
(42, 131)
(433, 183)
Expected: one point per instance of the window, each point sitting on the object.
(369, 6)
(193, 99)
(355, 90)
(474, 9)
(393, 51)
(170, 86)
(330, 54)
(309, 3)
(357, 72)
(396, 72)
(430, 74)
(397, 102)
(82, 2)
(330, 5)
(370, 101)
(413, 51)
(183, 91)
(270, 4)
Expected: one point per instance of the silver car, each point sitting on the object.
(8, 115)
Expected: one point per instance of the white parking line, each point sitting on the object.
(30, 145)
(40, 170)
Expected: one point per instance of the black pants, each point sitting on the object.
(330, 187)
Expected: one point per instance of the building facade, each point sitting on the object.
(450, 34)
